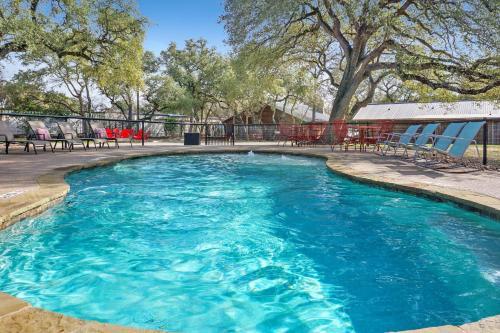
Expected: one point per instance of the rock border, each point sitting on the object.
(17, 315)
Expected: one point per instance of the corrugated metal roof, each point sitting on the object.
(430, 111)
(302, 111)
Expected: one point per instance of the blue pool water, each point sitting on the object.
(239, 243)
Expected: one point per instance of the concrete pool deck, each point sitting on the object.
(30, 183)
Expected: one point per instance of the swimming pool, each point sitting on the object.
(236, 242)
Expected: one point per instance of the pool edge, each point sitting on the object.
(17, 315)
(52, 188)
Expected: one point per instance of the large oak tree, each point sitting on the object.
(446, 44)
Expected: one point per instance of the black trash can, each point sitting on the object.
(191, 139)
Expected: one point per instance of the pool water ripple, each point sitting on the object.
(238, 243)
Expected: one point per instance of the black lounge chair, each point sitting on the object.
(72, 136)
(99, 133)
(41, 132)
(7, 138)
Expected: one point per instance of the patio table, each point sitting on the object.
(364, 135)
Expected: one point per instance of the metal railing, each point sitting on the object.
(160, 130)
(488, 138)
(228, 134)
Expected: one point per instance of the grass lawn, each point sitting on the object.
(493, 153)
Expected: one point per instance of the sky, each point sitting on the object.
(178, 20)
(171, 21)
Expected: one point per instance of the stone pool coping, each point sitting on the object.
(18, 316)
(52, 188)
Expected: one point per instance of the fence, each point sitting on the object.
(488, 138)
(155, 130)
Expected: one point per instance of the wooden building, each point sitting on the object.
(289, 114)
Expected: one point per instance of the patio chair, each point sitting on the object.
(422, 139)
(298, 134)
(353, 137)
(41, 133)
(72, 136)
(100, 134)
(313, 134)
(461, 143)
(115, 133)
(284, 133)
(386, 127)
(440, 142)
(109, 132)
(294, 134)
(7, 138)
(339, 133)
(138, 136)
(398, 140)
(123, 135)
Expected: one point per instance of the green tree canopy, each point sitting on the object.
(441, 44)
(257, 80)
(28, 93)
(199, 71)
(80, 44)
(161, 92)
(85, 29)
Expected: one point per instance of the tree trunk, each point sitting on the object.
(86, 128)
(343, 98)
(82, 113)
(191, 119)
(283, 113)
(130, 113)
(294, 103)
(81, 106)
(138, 107)
(273, 110)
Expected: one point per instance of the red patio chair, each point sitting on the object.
(138, 136)
(299, 134)
(114, 133)
(284, 133)
(124, 135)
(369, 135)
(127, 133)
(109, 133)
(339, 133)
(314, 133)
